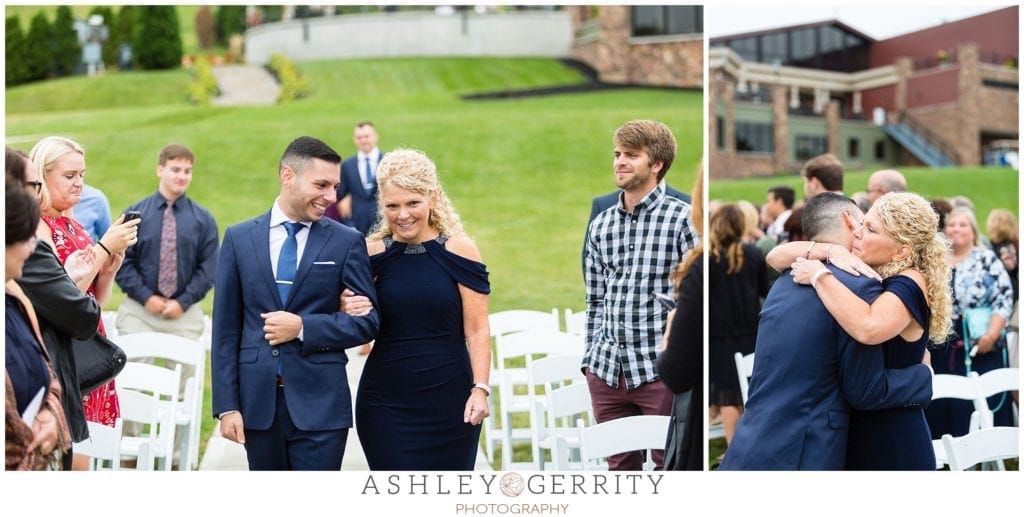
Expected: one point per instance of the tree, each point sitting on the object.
(156, 39)
(38, 61)
(15, 66)
(205, 30)
(109, 46)
(65, 49)
(122, 28)
(230, 20)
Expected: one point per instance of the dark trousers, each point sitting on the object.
(653, 398)
(286, 447)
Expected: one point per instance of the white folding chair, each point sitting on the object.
(994, 382)
(103, 446)
(576, 322)
(632, 433)
(501, 323)
(564, 400)
(149, 395)
(744, 369)
(949, 386)
(190, 404)
(110, 324)
(517, 346)
(992, 444)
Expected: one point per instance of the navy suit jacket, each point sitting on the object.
(602, 203)
(244, 364)
(364, 204)
(808, 373)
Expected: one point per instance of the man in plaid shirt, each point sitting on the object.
(631, 249)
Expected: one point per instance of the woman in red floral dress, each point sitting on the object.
(61, 163)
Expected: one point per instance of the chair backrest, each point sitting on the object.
(576, 322)
(981, 445)
(519, 320)
(644, 432)
(143, 409)
(162, 384)
(998, 381)
(744, 369)
(536, 342)
(110, 324)
(103, 445)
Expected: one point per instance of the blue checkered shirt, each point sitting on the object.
(629, 258)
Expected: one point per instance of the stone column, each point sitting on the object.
(728, 95)
(832, 126)
(904, 67)
(780, 128)
(968, 139)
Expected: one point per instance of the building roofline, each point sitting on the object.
(833, 21)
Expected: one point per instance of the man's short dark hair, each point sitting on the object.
(175, 152)
(828, 169)
(651, 136)
(785, 193)
(823, 214)
(22, 213)
(15, 165)
(303, 150)
(363, 123)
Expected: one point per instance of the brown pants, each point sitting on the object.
(653, 398)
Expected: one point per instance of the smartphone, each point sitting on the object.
(666, 301)
(130, 215)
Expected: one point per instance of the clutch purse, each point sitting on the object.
(97, 361)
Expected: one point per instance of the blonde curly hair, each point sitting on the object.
(412, 170)
(910, 220)
(44, 157)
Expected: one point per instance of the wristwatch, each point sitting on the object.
(483, 386)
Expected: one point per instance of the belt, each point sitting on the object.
(280, 381)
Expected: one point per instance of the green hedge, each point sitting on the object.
(203, 86)
(293, 85)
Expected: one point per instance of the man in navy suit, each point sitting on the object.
(279, 340)
(357, 193)
(605, 201)
(808, 372)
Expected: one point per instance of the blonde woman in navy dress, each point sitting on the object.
(423, 391)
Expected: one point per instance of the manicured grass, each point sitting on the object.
(521, 172)
(113, 90)
(987, 187)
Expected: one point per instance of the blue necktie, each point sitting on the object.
(370, 179)
(286, 261)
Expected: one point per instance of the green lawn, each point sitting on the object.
(521, 173)
(987, 187)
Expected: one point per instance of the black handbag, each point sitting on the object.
(97, 361)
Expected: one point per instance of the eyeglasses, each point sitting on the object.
(37, 184)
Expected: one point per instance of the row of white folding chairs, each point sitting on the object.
(562, 401)
(103, 447)
(519, 334)
(976, 389)
(981, 446)
(110, 323)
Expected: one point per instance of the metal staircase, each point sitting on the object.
(920, 142)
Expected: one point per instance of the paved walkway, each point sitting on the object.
(244, 85)
(223, 454)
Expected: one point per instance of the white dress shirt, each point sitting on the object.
(364, 175)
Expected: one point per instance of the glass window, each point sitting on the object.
(853, 147)
(804, 45)
(745, 47)
(880, 149)
(720, 132)
(774, 47)
(831, 38)
(808, 147)
(754, 137)
(651, 20)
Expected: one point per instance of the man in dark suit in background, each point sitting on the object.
(357, 193)
(808, 372)
(279, 340)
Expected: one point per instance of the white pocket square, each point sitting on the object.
(325, 263)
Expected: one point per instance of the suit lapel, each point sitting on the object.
(318, 238)
(260, 238)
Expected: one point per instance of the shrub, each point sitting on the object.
(206, 32)
(38, 60)
(230, 20)
(121, 28)
(293, 86)
(64, 46)
(203, 86)
(15, 64)
(156, 39)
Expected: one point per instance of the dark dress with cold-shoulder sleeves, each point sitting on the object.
(414, 387)
(895, 438)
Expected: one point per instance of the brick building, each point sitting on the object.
(649, 45)
(938, 96)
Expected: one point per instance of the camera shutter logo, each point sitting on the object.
(512, 484)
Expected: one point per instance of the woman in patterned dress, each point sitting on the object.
(61, 164)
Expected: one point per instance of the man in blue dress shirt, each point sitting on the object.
(93, 211)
